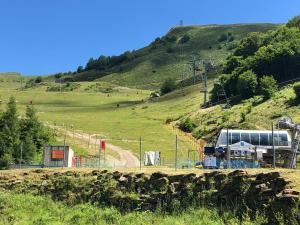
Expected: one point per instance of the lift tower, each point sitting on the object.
(287, 123)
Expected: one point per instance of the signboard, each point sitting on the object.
(103, 144)
(57, 154)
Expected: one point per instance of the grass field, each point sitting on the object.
(97, 113)
(25, 209)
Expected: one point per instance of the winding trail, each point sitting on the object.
(126, 157)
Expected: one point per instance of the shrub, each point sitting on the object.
(223, 37)
(38, 80)
(187, 125)
(247, 83)
(294, 22)
(168, 86)
(296, 88)
(170, 50)
(267, 86)
(185, 38)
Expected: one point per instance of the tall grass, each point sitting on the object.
(25, 209)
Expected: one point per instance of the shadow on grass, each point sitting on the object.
(292, 102)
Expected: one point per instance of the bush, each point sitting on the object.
(294, 22)
(267, 86)
(168, 86)
(184, 39)
(296, 88)
(187, 125)
(247, 83)
(38, 80)
(223, 37)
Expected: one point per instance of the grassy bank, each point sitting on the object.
(26, 209)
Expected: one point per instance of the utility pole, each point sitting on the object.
(205, 86)
(208, 65)
(89, 140)
(60, 84)
(140, 152)
(21, 156)
(228, 150)
(176, 153)
(193, 64)
(273, 146)
(99, 154)
(21, 83)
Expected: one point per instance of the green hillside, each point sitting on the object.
(254, 113)
(167, 56)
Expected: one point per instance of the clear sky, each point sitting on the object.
(49, 36)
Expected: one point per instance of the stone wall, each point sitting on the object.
(266, 194)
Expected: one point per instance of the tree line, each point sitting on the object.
(260, 61)
(27, 133)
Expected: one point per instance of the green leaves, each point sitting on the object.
(246, 85)
(276, 53)
(294, 22)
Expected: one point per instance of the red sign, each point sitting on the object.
(57, 154)
(103, 144)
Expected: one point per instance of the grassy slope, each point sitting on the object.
(259, 114)
(155, 65)
(98, 113)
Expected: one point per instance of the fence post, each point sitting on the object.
(228, 150)
(273, 146)
(176, 153)
(21, 155)
(140, 152)
(99, 154)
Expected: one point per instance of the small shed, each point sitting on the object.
(58, 156)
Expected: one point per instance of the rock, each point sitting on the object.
(158, 175)
(279, 184)
(238, 173)
(267, 176)
(188, 178)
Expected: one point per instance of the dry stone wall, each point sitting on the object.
(265, 193)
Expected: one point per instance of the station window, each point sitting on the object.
(223, 138)
(235, 137)
(283, 141)
(254, 138)
(264, 139)
(245, 137)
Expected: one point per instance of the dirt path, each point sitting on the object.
(126, 158)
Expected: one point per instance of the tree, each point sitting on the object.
(29, 148)
(294, 22)
(267, 86)
(38, 80)
(247, 83)
(249, 45)
(296, 88)
(187, 125)
(10, 130)
(223, 37)
(168, 86)
(33, 129)
(80, 69)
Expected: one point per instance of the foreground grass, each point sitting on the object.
(28, 209)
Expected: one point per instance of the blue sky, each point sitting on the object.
(49, 36)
